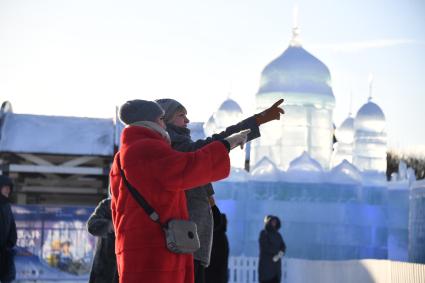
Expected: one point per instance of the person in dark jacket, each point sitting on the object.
(217, 271)
(8, 236)
(200, 199)
(272, 249)
(104, 268)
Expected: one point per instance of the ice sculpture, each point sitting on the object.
(345, 173)
(343, 149)
(305, 84)
(370, 138)
(266, 170)
(304, 169)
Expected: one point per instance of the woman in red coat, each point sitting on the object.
(160, 174)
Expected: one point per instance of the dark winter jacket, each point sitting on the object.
(104, 268)
(160, 174)
(217, 271)
(197, 198)
(8, 235)
(271, 242)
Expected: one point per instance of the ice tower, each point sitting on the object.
(343, 149)
(229, 113)
(305, 84)
(370, 138)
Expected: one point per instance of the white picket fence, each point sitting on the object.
(245, 270)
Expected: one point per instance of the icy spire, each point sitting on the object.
(370, 86)
(295, 41)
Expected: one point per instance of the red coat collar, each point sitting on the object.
(135, 133)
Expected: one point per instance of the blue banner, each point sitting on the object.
(53, 243)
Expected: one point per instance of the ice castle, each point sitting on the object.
(333, 197)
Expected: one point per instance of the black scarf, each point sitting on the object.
(178, 134)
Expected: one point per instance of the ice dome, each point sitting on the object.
(266, 170)
(299, 72)
(345, 132)
(210, 127)
(345, 173)
(228, 113)
(370, 118)
(230, 106)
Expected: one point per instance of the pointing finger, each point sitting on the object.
(277, 103)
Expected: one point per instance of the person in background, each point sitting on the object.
(272, 249)
(66, 259)
(200, 200)
(8, 236)
(104, 268)
(217, 271)
(160, 174)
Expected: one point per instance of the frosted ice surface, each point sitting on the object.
(345, 173)
(374, 178)
(402, 170)
(305, 163)
(411, 176)
(237, 175)
(266, 170)
(304, 169)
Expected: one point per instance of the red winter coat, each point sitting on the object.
(161, 175)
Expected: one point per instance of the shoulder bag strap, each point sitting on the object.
(138, 197)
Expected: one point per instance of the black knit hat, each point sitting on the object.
(170, 107)
(6, 181)
(140, 110)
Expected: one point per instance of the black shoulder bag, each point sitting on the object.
(181, 236)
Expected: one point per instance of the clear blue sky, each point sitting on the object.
(82, 58)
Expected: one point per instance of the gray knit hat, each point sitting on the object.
(170, 107)
(140, 110)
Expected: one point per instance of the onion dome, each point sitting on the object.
(370, 118)
(230, 106)
(300, 76)
(345, 132)
(227, 114)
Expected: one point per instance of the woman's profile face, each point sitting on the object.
(161, 121)
(180, 119)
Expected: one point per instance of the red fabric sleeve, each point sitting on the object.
(176, 170)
